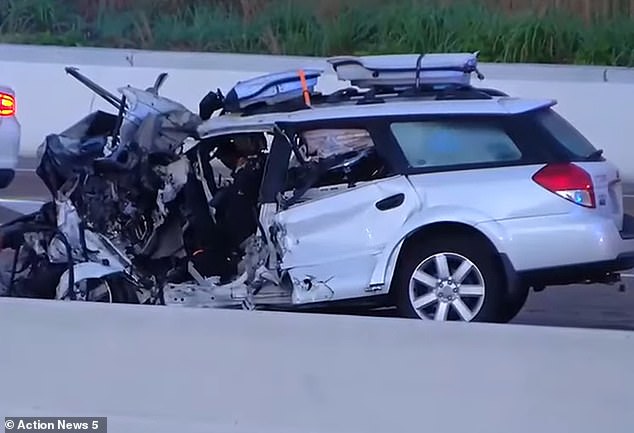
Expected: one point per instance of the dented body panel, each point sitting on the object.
(337, 241)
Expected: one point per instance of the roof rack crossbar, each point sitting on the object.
(372, 96)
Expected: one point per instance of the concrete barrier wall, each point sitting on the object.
(160, 370)
(596, 100)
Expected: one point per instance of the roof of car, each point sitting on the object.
(378, 86)
(504, 105)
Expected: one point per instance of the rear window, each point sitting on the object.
(429, 144)
(566, 134)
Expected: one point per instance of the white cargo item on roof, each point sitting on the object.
(402, 70)
(271, 89)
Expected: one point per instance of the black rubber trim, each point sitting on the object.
(580, 273)
(628, 227)
(513, 280)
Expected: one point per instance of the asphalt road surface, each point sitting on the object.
(585, 306)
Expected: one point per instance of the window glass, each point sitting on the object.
(336, 156)
(449, 143)
(566, 134)
(324, 143)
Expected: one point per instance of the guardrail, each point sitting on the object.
(595, 99)
(161, 369)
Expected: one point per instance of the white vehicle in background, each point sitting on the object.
(10, 131)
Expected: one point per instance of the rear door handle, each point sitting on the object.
(390, 202)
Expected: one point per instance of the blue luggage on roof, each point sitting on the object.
(270, 89)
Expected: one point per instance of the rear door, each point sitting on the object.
(341, 213)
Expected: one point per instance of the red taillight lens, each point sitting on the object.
(7, 104)
(568, 181)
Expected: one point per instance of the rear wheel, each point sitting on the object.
(514, 303)
(450, 278)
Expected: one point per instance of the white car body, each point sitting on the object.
(502, 202)
(10, 131)
(343, 248)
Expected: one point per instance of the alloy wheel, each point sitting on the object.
(447, 286)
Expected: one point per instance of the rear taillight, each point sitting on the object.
(7, 104)
(568, 181)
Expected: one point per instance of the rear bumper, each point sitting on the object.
(565, 249)
(593, 272)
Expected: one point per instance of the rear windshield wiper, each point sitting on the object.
(597, 154)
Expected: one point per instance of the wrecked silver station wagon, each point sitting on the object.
(273, 195)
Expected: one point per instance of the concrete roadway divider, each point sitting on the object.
(160, 370)
(595, 99)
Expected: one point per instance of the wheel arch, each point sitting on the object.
(438, 228)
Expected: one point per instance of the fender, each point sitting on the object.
(386, 261)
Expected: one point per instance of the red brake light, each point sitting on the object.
(7, 104)
(568, 181)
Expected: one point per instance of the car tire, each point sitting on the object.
(514, 303)
(123, 292)
(119, 291)
(457, 278)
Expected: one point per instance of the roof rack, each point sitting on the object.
(375, 96)
(400, 71)
(374, 79)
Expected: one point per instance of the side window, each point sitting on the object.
(321, 144)
(336, 156)
(428, 144)
(566, 134)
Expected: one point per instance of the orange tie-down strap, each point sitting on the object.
(305, 92)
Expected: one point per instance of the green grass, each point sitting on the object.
(321, 28)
